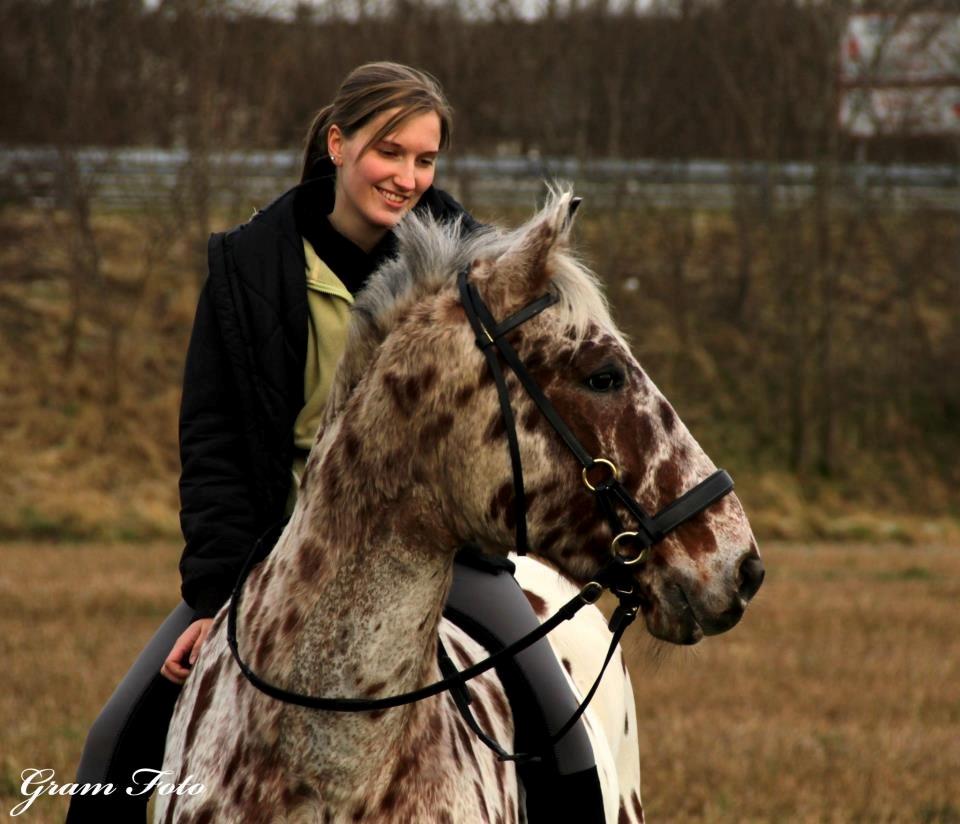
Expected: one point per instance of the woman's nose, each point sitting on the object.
(405, 178)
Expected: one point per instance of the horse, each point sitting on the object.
(409, 463)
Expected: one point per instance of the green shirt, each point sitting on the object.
(328, 314)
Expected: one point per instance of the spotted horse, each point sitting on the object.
(409, 464)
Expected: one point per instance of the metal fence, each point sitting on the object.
(133, 178)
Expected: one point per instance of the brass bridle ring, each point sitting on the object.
(595, 462)
(641, 555)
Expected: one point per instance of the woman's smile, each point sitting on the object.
(392, 198)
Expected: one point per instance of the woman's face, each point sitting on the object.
(377, 188)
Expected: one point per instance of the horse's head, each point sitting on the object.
(429, 389)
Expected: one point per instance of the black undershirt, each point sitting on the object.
(347, 260)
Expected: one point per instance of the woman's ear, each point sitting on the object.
(335, 144)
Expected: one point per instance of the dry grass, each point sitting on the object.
(837, 700)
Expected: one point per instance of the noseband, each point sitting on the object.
(616, 576)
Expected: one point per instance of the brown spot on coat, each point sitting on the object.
(531, 418)
(550, 539)
(668, 480)
(396, 389)
(436, 429)
(351, 444)
(467, 745)
(389, 800)
(485, 376)
(482, 715)
(463, 395)
(292, 622)
(240, 792)
(233, 765)
(403, 768)
(201, 702)
(481, 801)
(455, 747)
(500, 705)
(331, 471)
(267, 643)
(460, 652)
(309, 560)
(538, 604)
(635, 435)
(696, 536)
(501, 499)
(567, 666)
(667, 416)
(496, 428)
(205, 815)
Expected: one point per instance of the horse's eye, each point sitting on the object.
(606, 380)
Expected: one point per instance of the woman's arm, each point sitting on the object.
(217, 509)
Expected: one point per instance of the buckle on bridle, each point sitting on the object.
(614, 473)
(626, 559)
(591, 592)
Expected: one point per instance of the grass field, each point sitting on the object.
(836, 700)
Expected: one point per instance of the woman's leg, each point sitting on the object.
(130, 732)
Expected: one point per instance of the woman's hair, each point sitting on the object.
(368, 91)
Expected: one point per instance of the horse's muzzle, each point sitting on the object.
(749, 578)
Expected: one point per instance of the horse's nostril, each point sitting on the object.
(751, 575)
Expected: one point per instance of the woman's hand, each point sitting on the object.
(188, 644)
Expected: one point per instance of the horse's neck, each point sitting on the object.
(355, 617)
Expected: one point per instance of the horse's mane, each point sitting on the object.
(430, 254)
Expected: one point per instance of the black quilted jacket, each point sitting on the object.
(243, 389)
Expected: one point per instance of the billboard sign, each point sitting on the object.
(901, 75)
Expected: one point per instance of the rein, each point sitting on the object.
(615, 576)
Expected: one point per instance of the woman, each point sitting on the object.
(270, 327)
(269, 330)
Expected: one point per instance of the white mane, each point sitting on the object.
(431, 253)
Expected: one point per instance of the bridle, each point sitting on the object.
(616, 576)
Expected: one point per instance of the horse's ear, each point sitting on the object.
(572, 212)
(526, 267)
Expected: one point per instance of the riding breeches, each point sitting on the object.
(130, 732)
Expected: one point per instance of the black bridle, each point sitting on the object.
(616, 576)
